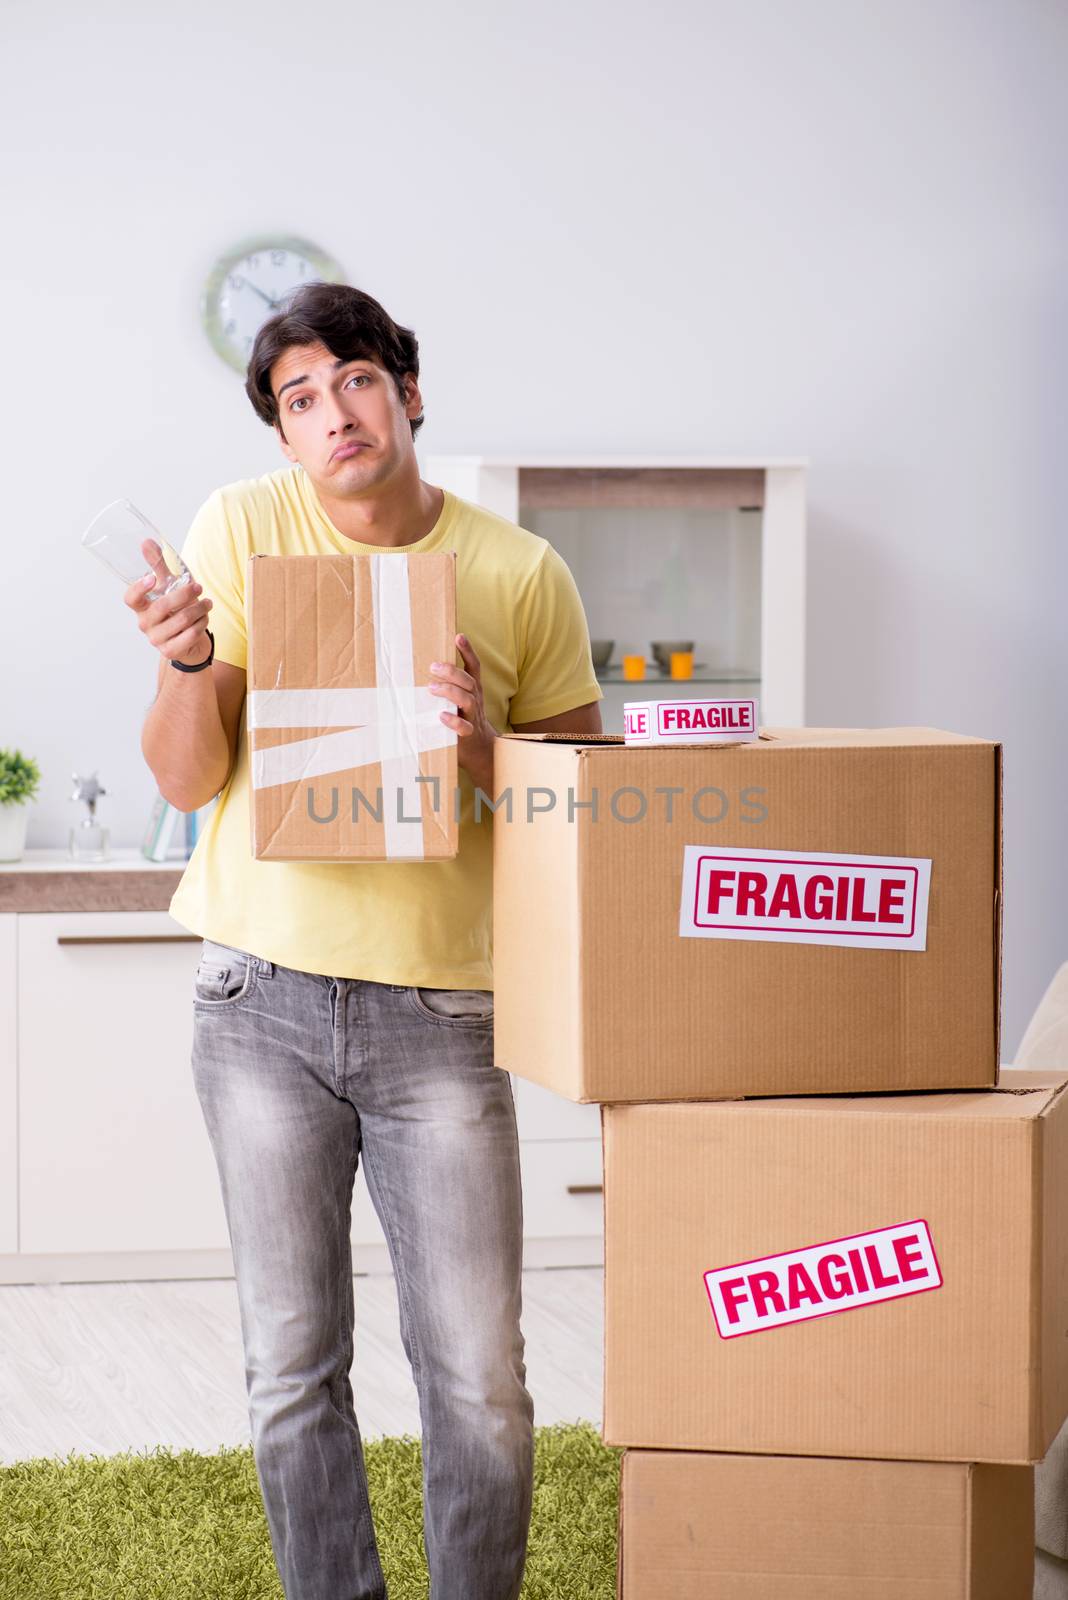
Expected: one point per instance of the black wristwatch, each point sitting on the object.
(200, 664)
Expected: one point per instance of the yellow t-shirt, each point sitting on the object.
(426, 923)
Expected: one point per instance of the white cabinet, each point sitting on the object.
(368, 1240)
(113, 1153)
(540, 1114)
(9, 1094)
(114, 1157)
(562, 1188)
(106, 1169)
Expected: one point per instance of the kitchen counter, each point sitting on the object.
(51, 880)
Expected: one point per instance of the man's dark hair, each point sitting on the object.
(349, 323)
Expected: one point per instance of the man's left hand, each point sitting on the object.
(475, 735)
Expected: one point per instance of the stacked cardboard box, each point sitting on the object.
(816, 912)
(703, 1526)
(835, 1318)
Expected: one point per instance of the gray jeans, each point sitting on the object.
(298, 1075)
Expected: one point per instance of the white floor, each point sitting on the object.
(103, 1367)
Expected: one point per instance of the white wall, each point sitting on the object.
(821, 228)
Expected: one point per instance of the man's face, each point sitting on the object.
(327, 406)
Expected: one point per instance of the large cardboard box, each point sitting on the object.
(349, 759)
(875, 1276)
(820, 914)
(734, 1527)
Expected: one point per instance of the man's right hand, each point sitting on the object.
(175, 624)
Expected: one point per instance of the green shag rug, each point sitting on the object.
(185, 1526)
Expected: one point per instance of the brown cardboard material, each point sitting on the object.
(734, 1527)
(365, 623)
(972, 1370)
(600, 997)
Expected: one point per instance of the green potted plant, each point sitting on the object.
(19, 778)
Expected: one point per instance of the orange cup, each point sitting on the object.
(634, 667)
(682, 663)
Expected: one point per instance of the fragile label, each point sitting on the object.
(821, 1279)
(689, 721)
(805, 897)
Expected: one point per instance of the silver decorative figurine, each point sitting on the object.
(89, 840)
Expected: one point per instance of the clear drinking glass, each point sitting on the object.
(126, 542)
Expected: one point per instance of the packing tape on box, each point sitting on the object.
(688, 721)
(397, 718)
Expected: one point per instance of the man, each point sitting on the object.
(346, 1010)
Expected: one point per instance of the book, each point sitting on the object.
(162, 825)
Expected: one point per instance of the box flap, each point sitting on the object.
(1051, 1265)
(874, 738)
(1020, 1080)
(793, 738)
(567, 738)
(1010, 1101)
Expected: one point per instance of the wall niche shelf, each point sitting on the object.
(704, 548)
(664, 680)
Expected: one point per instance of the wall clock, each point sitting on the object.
(248, 283)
